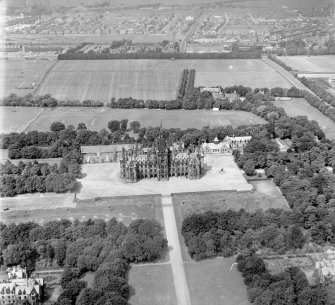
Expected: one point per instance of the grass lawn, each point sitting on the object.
(42, 209)
(98, 118)
(311, 64)
(16, 119)
(151, 285)
(211, 282)
(302, 107)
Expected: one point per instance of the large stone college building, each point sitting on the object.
(161, 161)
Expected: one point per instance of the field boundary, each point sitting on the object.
(44, 77)
(33, 119)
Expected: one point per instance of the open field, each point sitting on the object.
(311, 64)
(264, 196)
(151, 285)
(16, 119)
(45, 209)
(103, 180)
(211, 282)
(98, 118)
(37, 201)
(302, 107)
(150, 79)
(13, 80)
(251, 73)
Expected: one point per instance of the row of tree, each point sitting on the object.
(31, 177)
(289, 287)
(74, 55)
(276, 230)
(324, 101)
(319, 90)
(46, 100)
(107, 248)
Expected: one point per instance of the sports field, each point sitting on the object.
(17, 119)
(151, 285)
(150, 79)
(42, 208)
(302, 107)
(98, 118)
(215, 282)
(17, 75)
(311, 64)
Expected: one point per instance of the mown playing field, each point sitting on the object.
(42, 208)
(151, 285)
(17, 119)
(17, 75)
(150, 79)
(98, 118)
(215, 282)
(302, 107)
(311, 64)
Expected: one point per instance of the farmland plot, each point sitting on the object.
(151, 79)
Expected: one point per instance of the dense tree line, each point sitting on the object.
(256, 54)
(107, 248)
(31, 177)
(280, 62)
(323, 100)
(46, 100)
(290, 287)
(276, 230)
(319, 90)
(181, 91)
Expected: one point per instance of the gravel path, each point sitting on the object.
(178, 271)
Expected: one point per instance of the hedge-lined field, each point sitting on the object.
(151, 79)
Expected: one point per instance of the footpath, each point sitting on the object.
(176, 260)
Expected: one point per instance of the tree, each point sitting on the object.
(295, 238)
(88, 296)
(57, 126)
(135, 126)
(124, 124)
(60, 251)
(249, 167)
(113, 125)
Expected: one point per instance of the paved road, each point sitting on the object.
(178, 271)
(190, 33)
(289, 77)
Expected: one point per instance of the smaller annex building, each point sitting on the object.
(225, 147)
(17, 288)
(103, 153)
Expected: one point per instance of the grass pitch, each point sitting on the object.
(215, 282)
(311, 64)
(151, 285)
(17, 119)
(302, 107)
(41, 209)
(98, 118)
(150, 79)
